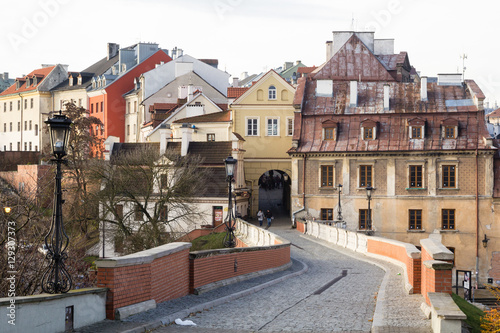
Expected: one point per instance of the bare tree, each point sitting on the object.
(147, 198)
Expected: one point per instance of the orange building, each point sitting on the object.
(106, 100)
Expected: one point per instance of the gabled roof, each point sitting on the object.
(353, 61)
(259, 82)
(494, 114)
(40, 74)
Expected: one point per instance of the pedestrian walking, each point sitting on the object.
(260, 216)
(269, 217)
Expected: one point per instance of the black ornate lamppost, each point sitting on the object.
(369, 230)
(56, 278)
(229, 239)
(340, 218)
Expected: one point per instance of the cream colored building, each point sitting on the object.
(264, 117)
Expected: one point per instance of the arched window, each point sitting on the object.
(272, 92)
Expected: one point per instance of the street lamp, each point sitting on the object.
(369, 230)
(56, 278)
(229, 239)
(339, 212)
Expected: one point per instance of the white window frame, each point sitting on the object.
(422, 131)
(289, 126)
(277, 119)
(272, 93)
(247, 119)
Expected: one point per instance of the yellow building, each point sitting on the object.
(263, 116)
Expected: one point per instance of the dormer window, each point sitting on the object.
(368, 130)
(79, 80)
(71, 80)
(272, 92)
(416, 128)
(329, 130)
(94, 83)
(449, 128)
(35, 81)
(28, 82)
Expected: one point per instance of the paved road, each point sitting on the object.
(337, 293)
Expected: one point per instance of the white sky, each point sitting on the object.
(252, 35)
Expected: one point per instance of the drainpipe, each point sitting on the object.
(303, 193)
(477, 218)
(22, 111)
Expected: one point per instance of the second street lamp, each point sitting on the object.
(369, 230)
(229, 239)
(340, 218)
(56, 278)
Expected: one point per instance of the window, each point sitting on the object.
(25, 146)
(272, 92)
(10, 144)
(135, 106)
(329, 133)
(10, 106)
(415, 176)
(138, 214)
(128, 108)
(25, 104)
(102, 106)
(252, 126)
(448, 219)
(449, 176)
(417, 132)
(128, 129)
(25, 125)
(163, 213)
(449, 132)
(96, 107)
(5, 107)
(327, 176)
(19, 126)
(91, 108)
(415, 219)
(36, 148)
(31, 103)
(5, 127)
(326, 214)
(36, 129)
(363, 219)
(10, 126)
(31, 125)
(211, 137)
(272, 126)
(367, 133)
(18, 105)
(18, 146)
(102, 129)
(365, 175)
(289, 126)
(30, 146)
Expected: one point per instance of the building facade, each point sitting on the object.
(363, 121)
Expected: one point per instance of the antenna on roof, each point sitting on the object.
(463, 57)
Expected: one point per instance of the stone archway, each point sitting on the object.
(274, 192)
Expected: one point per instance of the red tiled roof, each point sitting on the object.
(235, 92)
(39, 73)
(306, 70)
(494, 114)
(162, 106)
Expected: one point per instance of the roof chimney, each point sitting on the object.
(354, 94)
(423, 89)
(186, 132)
(287, 65)
(5, 76)
(329, 45)
(235, 82)
(297, 62)
(244, 75)
(113, 49)
(386, 97)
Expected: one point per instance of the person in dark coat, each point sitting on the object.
(269, 217)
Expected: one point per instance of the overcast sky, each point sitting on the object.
(253, 35)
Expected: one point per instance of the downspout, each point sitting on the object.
(22, 111)
(477, 218)
(303, 193)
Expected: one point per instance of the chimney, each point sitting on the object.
(329, 45)
(174, 52)
(287, 65)
(386, 97)
(112, 50)
(354, 94)
(235, 82)
(163, 140)
(186, 133)
(297, 62)
(180, 53)
(244, 75)
(5, 76)
(190, 93)
(423, 89)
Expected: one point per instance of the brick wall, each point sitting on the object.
(403, 253)
(436, 274)
(206, 268)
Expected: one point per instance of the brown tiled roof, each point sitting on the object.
(39, 73)
(353, 61)
(306, 70)
(224, 116)
(212, 152)
(445, 104)
(494, 114)
(391, 61)
(162, 107)
(235, 92)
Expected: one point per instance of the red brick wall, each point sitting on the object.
(301, 227)
(438, 281)
(205, 270)
(163, 279)
(398, 253)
